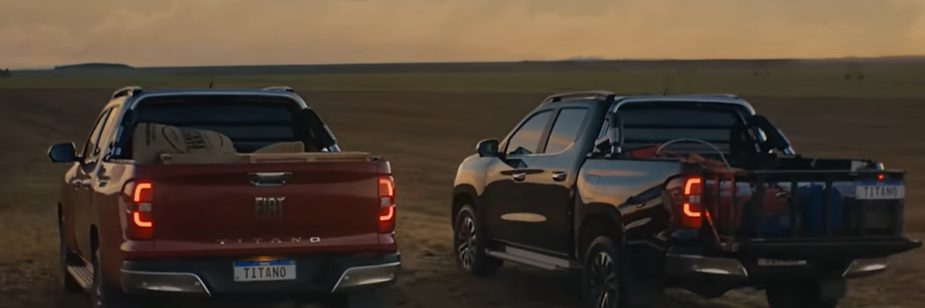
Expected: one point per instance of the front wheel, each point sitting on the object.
(66, 258)
(470, 243)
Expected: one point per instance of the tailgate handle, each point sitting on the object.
(269, 178)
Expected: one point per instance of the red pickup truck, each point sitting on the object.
(217, 193)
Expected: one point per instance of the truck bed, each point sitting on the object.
(801, 212)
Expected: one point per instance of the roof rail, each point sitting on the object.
(597, 95)
(126, 91)
(279, 88)
(718, 94)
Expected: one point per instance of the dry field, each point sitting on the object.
(425, 135)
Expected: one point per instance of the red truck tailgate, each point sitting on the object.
(248, 203)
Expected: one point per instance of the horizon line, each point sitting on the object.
(571, 59)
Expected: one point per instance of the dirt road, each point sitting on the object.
(425, 136)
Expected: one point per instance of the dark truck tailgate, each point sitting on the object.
(806, 214)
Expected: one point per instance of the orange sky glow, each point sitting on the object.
(43, 33)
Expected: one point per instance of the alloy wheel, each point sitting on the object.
(465, 241)
(603, 284)
(98, 283)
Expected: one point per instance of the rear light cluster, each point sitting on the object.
(139, 196)
(691, 209)
(386, 204)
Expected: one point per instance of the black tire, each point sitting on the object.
(104, 295)
(360, 299)
(470, 242)
(797, 295)
(601, 276)
(66, 258)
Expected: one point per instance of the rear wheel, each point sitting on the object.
(602, 277)
(105, 295)
(470, 243)
(798, 295)
(66, 258)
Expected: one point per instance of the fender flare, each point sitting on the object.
(464, 189)
(592, 210)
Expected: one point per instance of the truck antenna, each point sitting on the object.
(211, 81)
(667, 85)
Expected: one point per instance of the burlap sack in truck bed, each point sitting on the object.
(164, 144)
(255, 158)
(151, 140)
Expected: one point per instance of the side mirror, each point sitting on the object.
(487, 148)
(62, 153)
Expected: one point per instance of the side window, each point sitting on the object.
(604, 134)
(90, 147)
(106, 134)
(604, 128)
(527, 138)
(566, 129)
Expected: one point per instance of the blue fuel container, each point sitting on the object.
(812, 201)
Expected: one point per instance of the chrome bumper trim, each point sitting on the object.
(366, 275)
(681, 264)
(864, 267)
(134, 282)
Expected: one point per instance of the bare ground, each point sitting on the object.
(425, 136)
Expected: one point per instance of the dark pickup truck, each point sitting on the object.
(643, 193)
(217, 193)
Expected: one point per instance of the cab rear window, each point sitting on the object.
(250, 122)
(650, 124)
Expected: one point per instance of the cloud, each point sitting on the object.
(213, 32)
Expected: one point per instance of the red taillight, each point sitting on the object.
(691, 209)
(386, 204)
(140, 196)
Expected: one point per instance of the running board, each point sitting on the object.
(532, 258)
(82, 274)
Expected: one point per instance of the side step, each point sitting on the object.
(532, 258)
(82, 274)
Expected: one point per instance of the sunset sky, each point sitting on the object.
(41, 33)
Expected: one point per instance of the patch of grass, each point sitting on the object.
(886, 82)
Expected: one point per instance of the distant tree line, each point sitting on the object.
(93, 66)
(5, 73)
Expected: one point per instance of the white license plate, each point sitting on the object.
(245, 271)
(772, 262)
(880, 190)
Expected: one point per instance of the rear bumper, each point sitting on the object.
(861, 248)
(316, 276)
(692, 263)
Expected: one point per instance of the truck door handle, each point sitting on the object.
(559, 176)
(519, 176)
